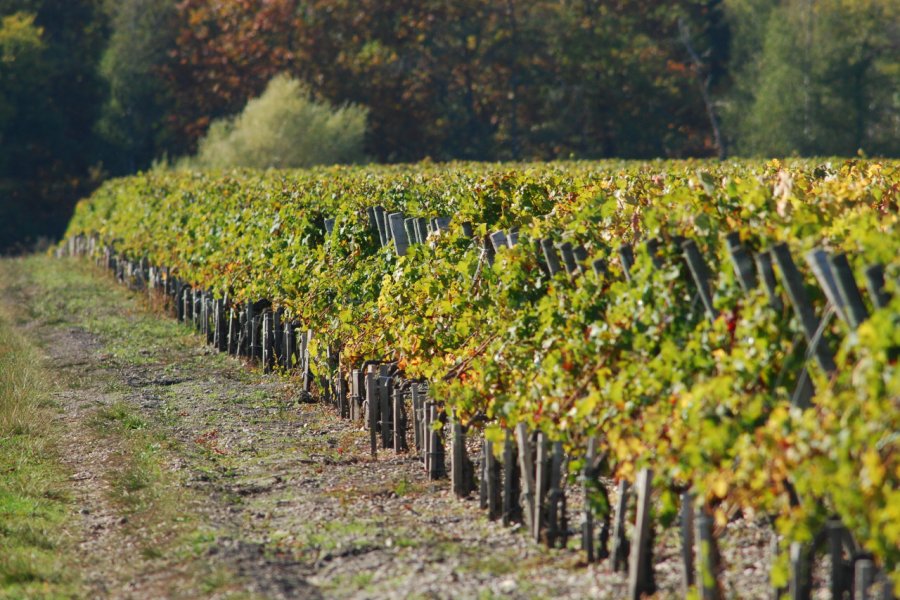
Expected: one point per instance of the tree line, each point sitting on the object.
(94, 88)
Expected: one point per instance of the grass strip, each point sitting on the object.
(34, 506)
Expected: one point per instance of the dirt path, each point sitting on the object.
(193, 476)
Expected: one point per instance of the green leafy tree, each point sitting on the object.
(133, 122)
(816, 77)
(282, 128)
(21, 53)
(52, 97)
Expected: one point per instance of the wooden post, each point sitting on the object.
(626, 259)
(640, 570)
(381, 221)
(482, 483)
(493, 491)
(793, 283)
(278, 335)
(587, 481)
(417, 406)
(343, 394)
(426, 436)
(290, 346)
(700, 273)
(398, 233)
(399, 414)
(246, 325)
(581, 255)
(458, 462)
(653, 245)
(557, 531)
(568, 256)
(864, 577)
(767, 273)
(686, 518)
(409, 224)
(775, 593)
(418, 417)
(526, 469)
(620, 547)
(436, 447)
(354, 387)
(742, 261)
(512, 510)
(422, 229)
(839, 580)
(540, 487)
(196, 306)
(441, 223)
(820, 265)
(218, 321)
(186, 311)
(267, 337)
(801, 572)
(255, 345)
(886, 585)
(855, 308)
(385, 423)
(209, 317)
(373, 224)
(551, 258)
(222, 324)
(498, 240)
(361, 398)
(306, 359)
(373, 403)
(233, 331)
(201, 312)
(708, 560)
(875, 285)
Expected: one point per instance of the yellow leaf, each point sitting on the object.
(720, 487)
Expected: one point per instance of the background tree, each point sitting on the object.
(224, 54)
(21, 58)
(112, 85)
(48, 148)
(284, 128)
(816, 77)
(133, 123)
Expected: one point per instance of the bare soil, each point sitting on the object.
(248, 492)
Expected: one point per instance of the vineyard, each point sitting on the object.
(711, 339)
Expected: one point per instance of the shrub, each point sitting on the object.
(285, 127)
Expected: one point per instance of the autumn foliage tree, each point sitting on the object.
(224, 54)
(476, 79)
(121, 83)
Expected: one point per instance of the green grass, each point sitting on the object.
(74, 293)
(35, 515)
(120, 413)
(34, 507)
(139, 482)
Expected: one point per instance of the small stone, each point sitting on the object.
(507, 586)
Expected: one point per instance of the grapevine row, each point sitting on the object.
(614, 327)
